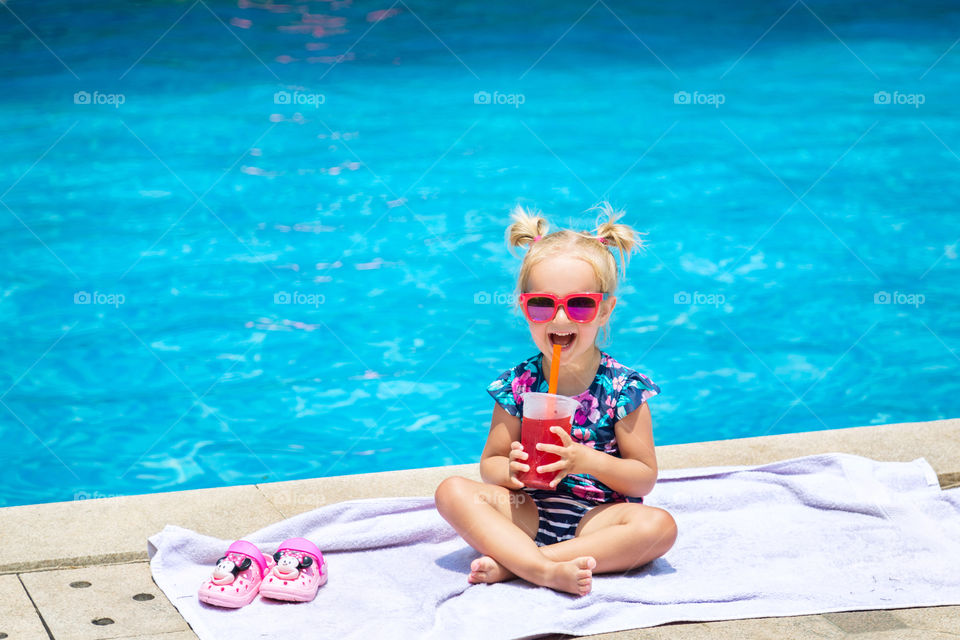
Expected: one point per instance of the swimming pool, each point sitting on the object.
(246, 244)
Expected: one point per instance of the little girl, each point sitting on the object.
(592, 520)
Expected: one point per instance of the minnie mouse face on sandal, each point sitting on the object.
(226, 570)
(290, 566)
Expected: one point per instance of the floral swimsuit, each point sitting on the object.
(616, 391)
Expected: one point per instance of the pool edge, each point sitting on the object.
(115, 530)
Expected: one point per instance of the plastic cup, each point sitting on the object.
(540, 412)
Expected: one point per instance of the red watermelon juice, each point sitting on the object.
(540, 412)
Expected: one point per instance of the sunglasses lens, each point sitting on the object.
(581, 309)
(540, 309)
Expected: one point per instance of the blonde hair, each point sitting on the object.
(531, 229)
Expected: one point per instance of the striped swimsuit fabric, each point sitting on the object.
(559, 515)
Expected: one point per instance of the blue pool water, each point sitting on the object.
(173, 162)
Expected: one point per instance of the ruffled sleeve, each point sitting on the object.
(501, 390)
(636, 390)
(511, 384)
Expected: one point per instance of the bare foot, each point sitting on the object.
(486, 569)
(574, 576)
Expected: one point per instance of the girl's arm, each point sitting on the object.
(499, 462)
(633, 474)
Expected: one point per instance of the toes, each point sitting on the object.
(478, 566)
(585, 586)
(482, 569)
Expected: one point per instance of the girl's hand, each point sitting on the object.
(571, 454)
(516, 455)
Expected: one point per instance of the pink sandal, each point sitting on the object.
(236, 578)
(296, 572)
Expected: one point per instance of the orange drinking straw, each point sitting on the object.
(554, 370)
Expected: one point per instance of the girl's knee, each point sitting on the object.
(665, 526)
(653, 525)
(450, 492)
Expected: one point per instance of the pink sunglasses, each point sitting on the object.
(543, 307)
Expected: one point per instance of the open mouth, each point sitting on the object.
(564, 339)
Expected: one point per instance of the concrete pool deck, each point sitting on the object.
(79, 569)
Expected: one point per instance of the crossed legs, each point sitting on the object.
(501, 524)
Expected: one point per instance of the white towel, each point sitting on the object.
(817, 534)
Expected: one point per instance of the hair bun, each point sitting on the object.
(614, 235)
(528, 227)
